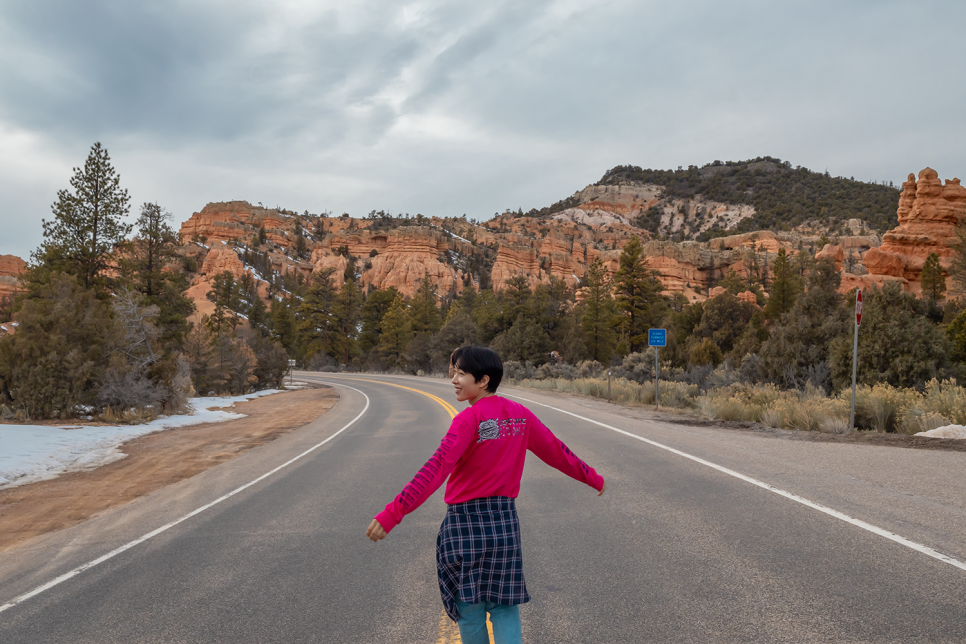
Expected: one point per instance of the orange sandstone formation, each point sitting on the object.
(928, 215)
(10, 268)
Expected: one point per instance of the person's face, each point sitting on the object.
(466, 387)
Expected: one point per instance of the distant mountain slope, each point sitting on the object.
(783, 197)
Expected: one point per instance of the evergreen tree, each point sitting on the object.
(283, 324)
(784, 288)
(348, 313)
(423, 310)
(897, 343)
(258, 317)
(319, 326)
(637, 295)
(523, 341)
(548, 303)
(54, 362)
(733, 283)
(597, 313)
(373, 311)
(488, 315)
(154, 248)
(933, 280)
(723, 320)
(515, 300)
(396, 334)
(459, 331)
(87, 225)
(226, 299)
(956, 332)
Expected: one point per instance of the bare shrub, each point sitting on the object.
(589, 369)
(320, 361)
(181, 389)
(124, 387)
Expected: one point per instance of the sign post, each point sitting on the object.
(291, 372)
(855, 354)
(657, 338)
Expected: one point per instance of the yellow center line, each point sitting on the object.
(448, 407)
(449, 633)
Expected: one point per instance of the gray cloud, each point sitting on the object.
(447, 107)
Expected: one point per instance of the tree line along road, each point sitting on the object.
(703, 534)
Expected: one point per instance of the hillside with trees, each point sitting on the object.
(784, 197)
(105, 329)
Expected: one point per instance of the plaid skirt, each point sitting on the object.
(479, 555)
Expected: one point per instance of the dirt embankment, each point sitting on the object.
(152, 462)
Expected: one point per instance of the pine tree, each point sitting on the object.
(87, 225)
(784, 288)
(154, 248)
(423, 310)
(598, 316)
(933, 280)
(373, 311)
(283, 324)
(54, 362)
(636, 294)
(396, 334)
(348, 312)
(318, 326)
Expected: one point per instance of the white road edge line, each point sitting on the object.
(156, 532)
(926, 550)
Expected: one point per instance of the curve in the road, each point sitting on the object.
(127, 546)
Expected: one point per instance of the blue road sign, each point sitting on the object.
(657, 337)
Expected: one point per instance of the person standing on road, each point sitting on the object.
(479, 557)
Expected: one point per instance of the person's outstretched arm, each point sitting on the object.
(426, 482)
(552, 451)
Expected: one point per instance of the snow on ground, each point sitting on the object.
(30, 453)
(948, 431)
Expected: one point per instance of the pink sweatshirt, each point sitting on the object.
(485, 449)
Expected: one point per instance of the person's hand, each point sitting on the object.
(375, 531)
(602, 489)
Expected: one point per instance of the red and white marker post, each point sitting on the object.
(855, 353)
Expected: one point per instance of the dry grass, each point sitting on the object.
(628, 392)
(881, 407)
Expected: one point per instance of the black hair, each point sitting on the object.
(479, 362)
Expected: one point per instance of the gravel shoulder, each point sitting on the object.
(153, 462)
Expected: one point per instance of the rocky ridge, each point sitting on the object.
(598, 221)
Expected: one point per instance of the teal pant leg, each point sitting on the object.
(505, 620)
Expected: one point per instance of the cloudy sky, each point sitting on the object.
(446, 108)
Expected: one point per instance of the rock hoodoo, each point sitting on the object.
(929, 212)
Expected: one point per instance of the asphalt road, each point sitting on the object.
(675, 551)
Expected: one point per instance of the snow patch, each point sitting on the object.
(947, 431)
(30, 453)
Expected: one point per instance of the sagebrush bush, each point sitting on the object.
(881, 407)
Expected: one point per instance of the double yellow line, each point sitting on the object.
(448, 407)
